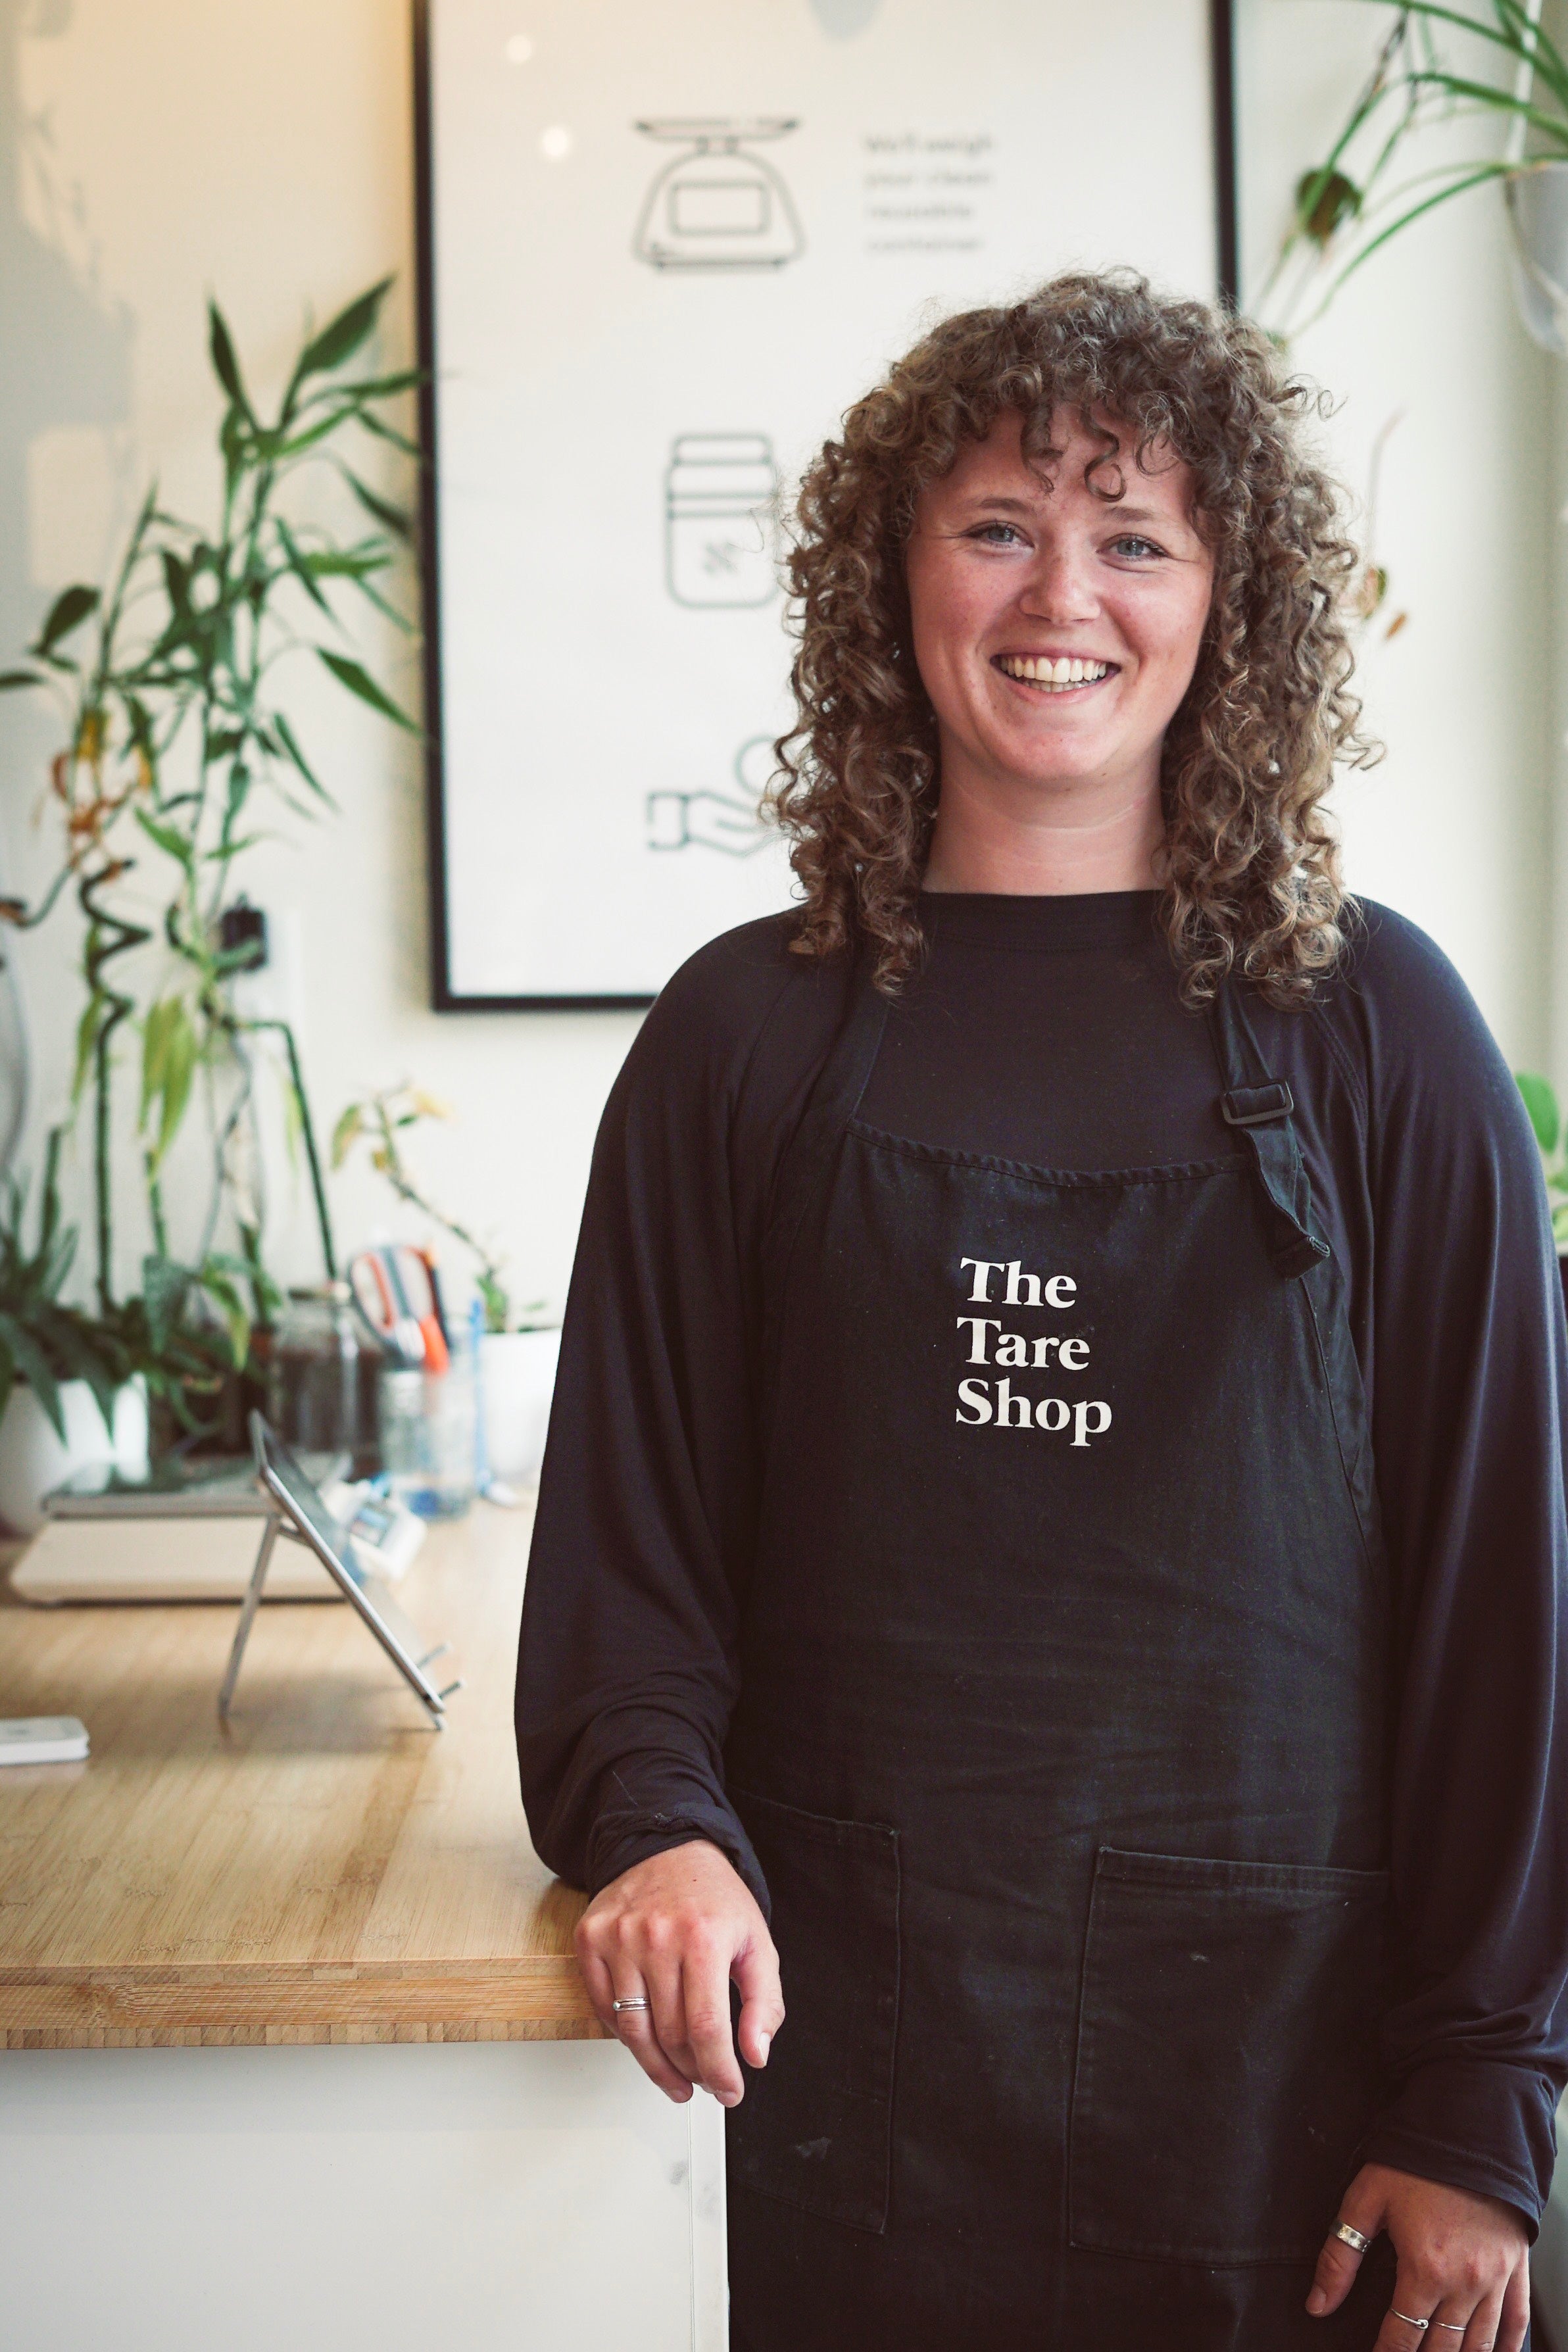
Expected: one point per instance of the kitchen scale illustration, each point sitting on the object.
(718, 492)
(729, 822)
(715, 205)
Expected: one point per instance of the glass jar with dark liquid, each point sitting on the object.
(321, 1376)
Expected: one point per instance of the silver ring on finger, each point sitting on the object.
(1454, 2327)
(1351, 2238)
(1422, 2324)
(632, 2001)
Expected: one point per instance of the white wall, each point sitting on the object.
(150, 152)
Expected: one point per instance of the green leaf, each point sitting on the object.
(380, 387)
(274, 446)
(390, 517)
(33, 1365)
(347, 1133)
(342, 338)
(155, 1041)
(300, 565)
(14, 677)
(231, 1308)
(176, 583)
(68, 611)
(86, 1030)
(171, 842)
(225, 366)
(359, 681)
(1540, 1102)
(181, 1053)
(385, 431)
(85, 1361)
(1324, 201)
(164, 1287)
(7, 1376)
(290, 741)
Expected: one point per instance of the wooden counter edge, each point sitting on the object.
(537, 1999)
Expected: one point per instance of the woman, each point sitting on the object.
(1055, 1491)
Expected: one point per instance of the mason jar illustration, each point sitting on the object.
(714, 207)
(718, 500)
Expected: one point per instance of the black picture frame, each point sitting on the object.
(444, 998)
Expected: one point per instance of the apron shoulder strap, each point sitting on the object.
(1259, 1107)
(832, 1104)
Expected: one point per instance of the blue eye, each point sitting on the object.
(1137, 549)
(996, 534)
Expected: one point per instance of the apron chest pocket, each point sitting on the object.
(1226, 2056)
(816, 2125)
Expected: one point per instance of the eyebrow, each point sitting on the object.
(1116, 509)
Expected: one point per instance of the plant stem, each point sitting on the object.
(122, 937)
(307, 1125)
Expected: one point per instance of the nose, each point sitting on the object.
(1060, 587)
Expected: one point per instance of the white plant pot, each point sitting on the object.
(517, 1379)
(1538, 252)
(33, 1462)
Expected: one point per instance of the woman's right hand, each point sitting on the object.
(676, 1931)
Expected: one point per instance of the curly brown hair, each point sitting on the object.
(1251, 872)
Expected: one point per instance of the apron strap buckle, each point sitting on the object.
(1253, 1106)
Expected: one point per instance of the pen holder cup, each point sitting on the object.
(429, 1433)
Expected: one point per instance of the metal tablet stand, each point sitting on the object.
(368, 1598)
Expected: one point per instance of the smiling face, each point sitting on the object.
(1056, 632)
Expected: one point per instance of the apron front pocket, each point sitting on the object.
(1226, 2056)
(816, 2125)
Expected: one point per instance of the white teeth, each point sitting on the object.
(1064, 670)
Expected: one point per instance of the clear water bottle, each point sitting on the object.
(429, 1433)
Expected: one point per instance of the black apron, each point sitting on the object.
(1063, 1742)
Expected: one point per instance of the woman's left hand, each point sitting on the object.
(1463, 2264)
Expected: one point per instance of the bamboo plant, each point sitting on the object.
(176, 740)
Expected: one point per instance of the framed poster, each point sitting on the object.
(663, 247)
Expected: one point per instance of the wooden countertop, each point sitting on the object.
(326, 1868)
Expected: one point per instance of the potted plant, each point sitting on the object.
(518, 1348)
(1349, 205)
(68, 1396)
(172, 729)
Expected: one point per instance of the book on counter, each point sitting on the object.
(190, 1531)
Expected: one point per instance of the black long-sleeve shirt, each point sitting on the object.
(1050, 1031)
